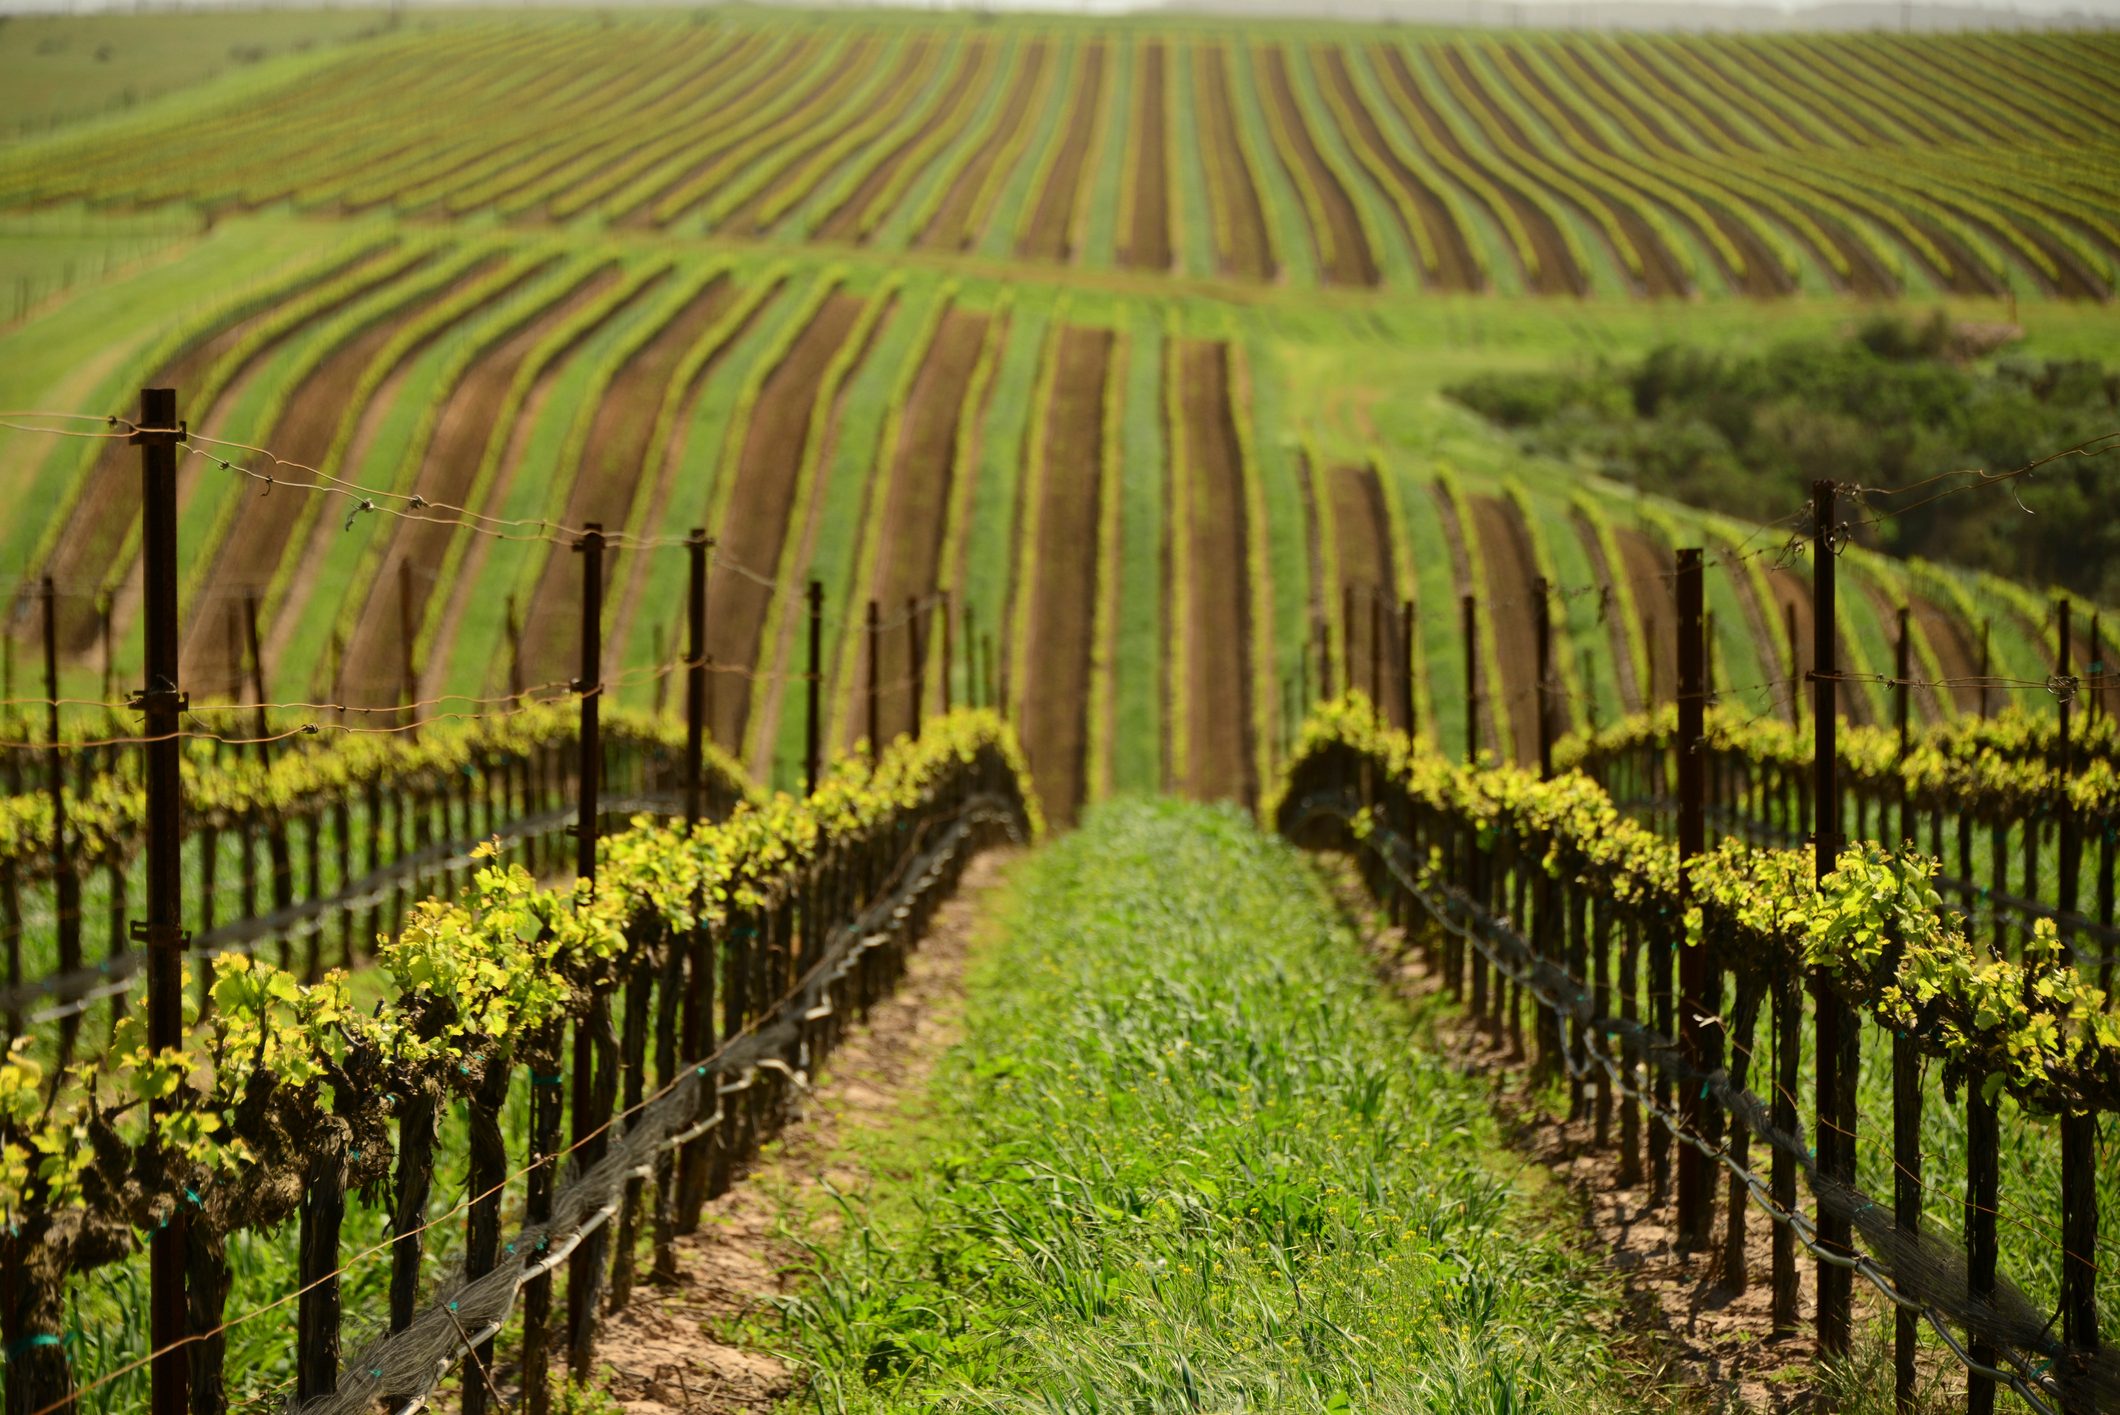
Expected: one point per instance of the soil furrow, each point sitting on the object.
(1220, 686)
(1049, 236)
(1245, 247)
(949, 229)
(1630, 688)
(975, 71)
(1650, 574)
(605, 480)
(909, 561)
(448, 467)
(1452, 620)
(1557, 271)
(1145, 245)
(1455, 268)
(1512, 574)
(761, 503)
(1350, 262)
(257, 539)
(1063, 575)
(1362, 531)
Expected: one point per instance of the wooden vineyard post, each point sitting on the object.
(810, 762)
(1906, 1064)
(697, 1023)
(1696, 1003)
(1837, 1037)
(1788, 623)
(161, 702)
(947, 610)
(875, 720)
(592, 1082)
(1407, 670)
(65, 872)
(1903, 673)
(916, 661)
(1542, 699)
(408, 670)
(2079, 1133)
(1470, 630)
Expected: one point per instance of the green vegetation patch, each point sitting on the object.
(1193, 1148)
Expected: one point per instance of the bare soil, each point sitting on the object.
(1650, 573)
(1630, 688)
(1245, 247)
(974, 71)
(951, 226)
(1063, 575)
(1351, 261)
(1052, 223)
(605, 482)
(1954, 651)
(1454, 267)
(1362, 530)
(1557, 272)
(1220, 687)
(1450, 616)
(1512, 574)
(760, 506)
(88, 547)
(447, 469)
(1145, 245)
(925, 468)
(679, 1349)
(258, 539)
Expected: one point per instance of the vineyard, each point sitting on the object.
(634, 517)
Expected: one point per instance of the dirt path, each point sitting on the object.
(1343, 250)
(1145, 244)
(1362, 530)
(1630, 688)
(952, 109)
(1452, 617)
(606, 479)
(1650, 575)
(1063, 575)
(910, 548)
(87, 549)
(760, 505)
(258, 537)
(1245, 249)
(1220, 687)
(1049, 236)
(1454, 267)
(950, 228)
(674, 1350)
(1512, 572)
(447, 469)
(1557, 272)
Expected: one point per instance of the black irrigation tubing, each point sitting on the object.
(404, 1368)
(81, 989)
(2006, 1320)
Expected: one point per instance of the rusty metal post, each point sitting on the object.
(1542, 629)
(949, 655)
(875, 733)
(162, 701)
(810, 763)
(696, 546)
(1406, 662)
(916, 660)
(1903, 702)
(408, 627)
(1837, 1040)
(65, 874)
(2079, 1133)
(590, 687)
(1695, 1177)
(1376, 650)
(1470, 608)
(584, 1268)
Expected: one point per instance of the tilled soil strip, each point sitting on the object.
(1221, 629)
(1512, 572)
(1047, 236)
(675, 1350)
(949, 229)
(1630, 689)
(1455, 268)
(1246, 251)
(1352, 262)
(1362, 530)
(1146, 245)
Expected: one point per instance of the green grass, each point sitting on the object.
(1190, 1157)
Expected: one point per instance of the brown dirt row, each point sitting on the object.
(1650, 571)
(1352, 263)
(1220, 687)
(462, 432)
(762, 504)
(1630, 688)
(949, 228)
(1558, 273)
(608, 477)
(1653, 59)
(1764, 623)
(1660, 274)
(1146, 245)
(1362, 530)
(257, 540)
(1512, 573)
(100, 521)
(1451, 621)
(1455, 268)
(826, 128)
(1954, 650)
(1052, 222)
(1762, 275)
(1314, 557)
(974, 72)
(693, 160)
(913, 515)
(1245, 248)
(1063, 575)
